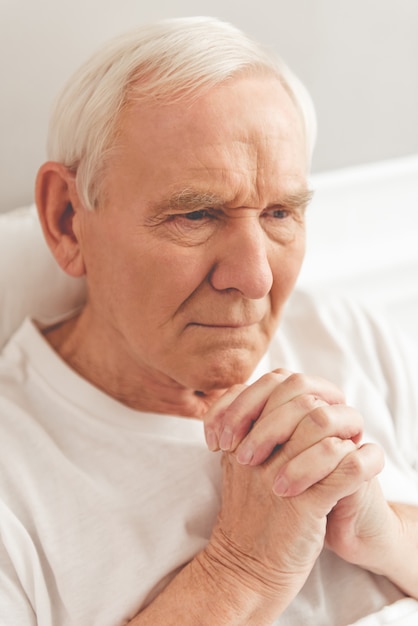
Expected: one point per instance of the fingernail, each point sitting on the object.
(280, 486)
(225, 441)
(211, 440)
(245, 455)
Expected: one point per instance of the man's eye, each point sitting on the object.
(195, 216)
(279, 213)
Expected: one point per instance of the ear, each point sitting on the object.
(58, 205)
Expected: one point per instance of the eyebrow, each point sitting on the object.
(297, 199)
(190, 199)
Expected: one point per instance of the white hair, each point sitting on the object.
(169, 61)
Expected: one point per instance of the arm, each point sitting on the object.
(258, 557)
(261, 550)
(379, 536)
(264, 546)
(206, 592)
(362, 528)
(404, 550)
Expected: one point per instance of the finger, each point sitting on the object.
(355, 469)
(351, 475)
(296, 397)
(356, 466)
(265, 396)
(299, 385)
(337, 420)
(213, 417)
(237, 419)
(275, 428)
(301, 429)
(311, 466)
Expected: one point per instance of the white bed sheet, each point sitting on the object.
(401, 613)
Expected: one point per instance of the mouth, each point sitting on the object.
(226, 325)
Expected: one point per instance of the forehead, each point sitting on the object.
(240, 139)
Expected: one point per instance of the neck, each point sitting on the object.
(126, 382)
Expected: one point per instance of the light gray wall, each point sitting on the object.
(359, 58)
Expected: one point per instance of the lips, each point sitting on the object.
(225, 324)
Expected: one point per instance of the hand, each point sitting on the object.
(361, 527)
(264, 542)
(253, 420)
(300, 447)
(268, 543)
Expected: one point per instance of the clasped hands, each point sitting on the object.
(305, 416)
(296, 475)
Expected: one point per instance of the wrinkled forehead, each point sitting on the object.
(242, 107)
(244, 138)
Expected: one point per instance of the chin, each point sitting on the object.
(223, 373)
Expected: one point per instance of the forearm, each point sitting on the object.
(401, 555)
(390, 549)
(206, 592)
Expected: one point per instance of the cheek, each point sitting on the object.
(286, 268)
(162, 278)
(298, 255)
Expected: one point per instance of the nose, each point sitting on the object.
(242, 260)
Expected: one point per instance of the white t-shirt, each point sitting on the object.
(101, 505)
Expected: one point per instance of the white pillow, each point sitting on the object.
(31, 282)
(362, 233)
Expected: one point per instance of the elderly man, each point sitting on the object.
(177, 185)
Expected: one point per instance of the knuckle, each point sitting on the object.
(320, 415)
(282, 372)
(354, 465)
(298, 380)
(330, 446)
(308, 403)
(272, 377)
(236, 388)
(337, 447)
